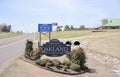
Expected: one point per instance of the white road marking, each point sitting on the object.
(12, 43)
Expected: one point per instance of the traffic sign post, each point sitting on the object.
(44, 28)
(54, 47)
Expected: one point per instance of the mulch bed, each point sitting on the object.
(54, 69)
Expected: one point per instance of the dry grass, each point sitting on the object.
(8, 35)
(65, 34)
(105, 42)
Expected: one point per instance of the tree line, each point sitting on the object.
(67, 27)
(5, 28)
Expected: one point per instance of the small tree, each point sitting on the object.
(4, 28)
(77, 56)
(71, 27)
(28, 48)
(8, 28)
(59, 28)
(67, 27)
(82, 26)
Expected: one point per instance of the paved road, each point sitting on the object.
(10, 48)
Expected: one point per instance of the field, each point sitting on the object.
(106, 42)
(65, 34)
(8, 35)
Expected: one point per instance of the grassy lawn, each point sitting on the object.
(8, 35)
(65, 34)
(74, 34)
(106, 42)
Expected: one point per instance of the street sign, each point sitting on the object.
(44, 27)
(55, 24)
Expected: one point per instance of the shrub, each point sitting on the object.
(43, 62)
(36, 54)
(47, 60)
(65, 68)
(56, 63)
(48, 64)
(28, 48)
(66, 63)
(77, 56)
(75, 67)
(40, 62)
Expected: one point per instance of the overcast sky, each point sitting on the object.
(27, 14)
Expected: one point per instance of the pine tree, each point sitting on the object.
(28, 48)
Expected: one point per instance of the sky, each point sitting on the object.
(25, 15)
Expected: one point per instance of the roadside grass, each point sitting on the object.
(8, 35)
(8, 71)
(65, 34)
(5, 73)
(107, 43)
(114, 30)
(73, 34)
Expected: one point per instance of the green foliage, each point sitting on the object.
(59, 28)
(36, 54)
(47, 60)
(28, 48)
(75, 67)
(82, 26)
(71, 27)
(66, 63)
(67, 27)
(40, 62)
(5, 28)
(104, 21)
(77, 56)
(56, 63)
(44, 62)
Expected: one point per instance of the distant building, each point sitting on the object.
(110, 24)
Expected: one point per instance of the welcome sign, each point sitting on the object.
(55, 48)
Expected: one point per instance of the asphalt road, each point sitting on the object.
(11, 48)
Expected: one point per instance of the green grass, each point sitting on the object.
(8, 35)
(65, 34)
(73, 34)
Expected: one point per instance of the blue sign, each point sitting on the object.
(44, 27)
